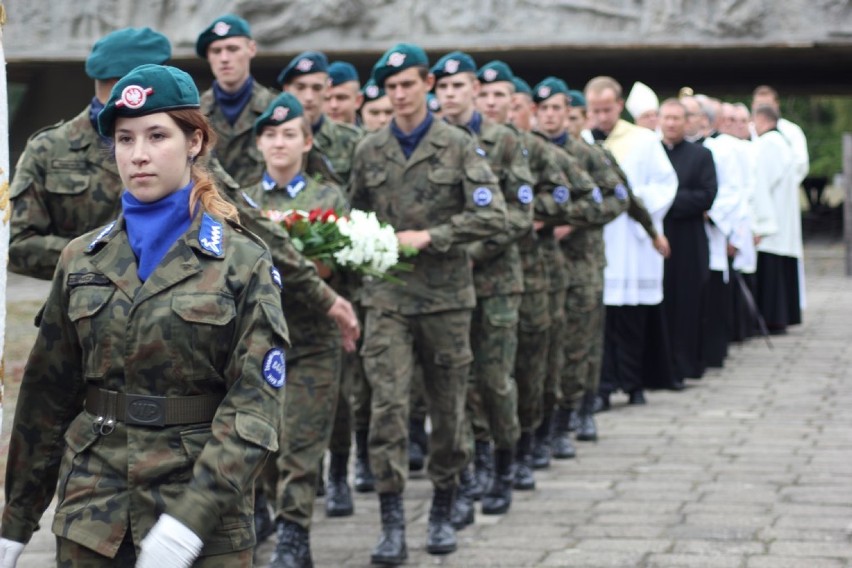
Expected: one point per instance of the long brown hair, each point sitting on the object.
(189, 120)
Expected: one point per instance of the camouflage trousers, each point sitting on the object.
(417, 408)
(360, 389)
(534, 319)
(69, 554)
(583, 345)
(341, 432)
(441, 344)
(555, 352)
(313, 382)
(492, 395)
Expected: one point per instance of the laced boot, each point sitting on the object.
(561, 445)
(463, 511)
(483, 463)
(524, 478)
(293, 549)
(391, 549)
(441, 536)
(338, 497)
(541, 444)
(365, 482)
(587, 430)
(499, 497)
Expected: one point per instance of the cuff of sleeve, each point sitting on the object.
(326, 296)
(16, 531)
(194, 512)
(441, 238)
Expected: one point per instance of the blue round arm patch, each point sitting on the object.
(597, 195)
(561, 194)
(482, 196)
(275, 368)
(525, 194)
(620, 192)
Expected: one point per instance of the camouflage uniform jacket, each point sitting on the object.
(308, 333)
(235, 147)
(66, 184)
(497, 268)
(330, 159)
(444, 187)
(205, 322)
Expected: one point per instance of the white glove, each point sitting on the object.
(9, 552)
(169, 544)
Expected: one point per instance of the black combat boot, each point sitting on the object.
(483, 463)
(263, 525)
(391, 549)
(561, 444)
(364, 480)
(463, 510)
(541, 444)
(499, 497)
(524, 478)
(418, 444)
(587, 430)
(293, 549)
(338, 497)
(441, 536)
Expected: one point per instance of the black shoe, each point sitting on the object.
(499, 497)
(524, 478)
(263, 525)
(338, 498)
(365, 482)
(463, 510)
(483, 463)
(602, 403)
(678, 385)
(587, 430)
(293, 549)
(561, 447)
(541, 444)
(391, 549)
(418, 444)
(637, 397)
(441, 536)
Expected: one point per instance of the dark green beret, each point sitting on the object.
(400, 57)
(577, 98)
(228, 25)
(371, 91)
(305, 63)
(521, 86)
(283, 108)
(342, 72)
(549, 87)
(432, 103)
(453, 63)
(495, 72)
(146, 90)
(117, 54)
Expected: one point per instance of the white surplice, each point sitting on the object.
(726, 213)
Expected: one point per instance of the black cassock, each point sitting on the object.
(688, 269)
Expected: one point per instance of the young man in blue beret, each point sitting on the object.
(65, 182)
(235, 100)
(376, 110)
(344, 96)
(425, 178)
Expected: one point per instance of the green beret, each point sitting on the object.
(118, 53)
(453, 63)
(400, 57)
(577, 98)
(432, 103)
(227, 26)
(521, 86)
(342, 72)
(495, 72)
(146, 90)
(283, 108)
(549, 87)
(305, 63)
(371, 91)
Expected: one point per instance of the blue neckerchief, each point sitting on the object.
(475, 123)
(296, 185)
(560, 140)
(152, 228)
(408, 142)
(315, 127)
(95, 108)
(232, 104)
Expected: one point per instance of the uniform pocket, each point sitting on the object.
(78, 473)
(67, 182)
(257, 431)
(453, 359)
(202, 333)
(440, 176)
(86, 311)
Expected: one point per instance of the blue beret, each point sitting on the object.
(521, 86)
(227, 26)
(117, 54)
(342, 72)
(453, 63)
(371, 91)
(146, 90)
(283, 108)
(495, 72)
(548, 87)
(400, 57)
(577, 98)
(433, 103)
(305, 63)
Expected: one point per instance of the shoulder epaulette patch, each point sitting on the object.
(210, 235)
(104, 232)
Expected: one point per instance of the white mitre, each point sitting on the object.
(641, 99)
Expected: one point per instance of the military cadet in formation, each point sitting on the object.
(162, 330)
(235, 100)
(376, 110)
(66, 183)
(315, 360)
(343, 97)
(425, 178)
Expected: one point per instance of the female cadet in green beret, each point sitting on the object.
(149, 399)
(283, 136)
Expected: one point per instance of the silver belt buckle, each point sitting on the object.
(141, 410)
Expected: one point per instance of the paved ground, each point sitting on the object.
(750, 467)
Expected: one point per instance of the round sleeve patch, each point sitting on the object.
(620, 192)
(561, 194)
(597, 195)
(482, 196)
(525, 194)
(276, 277)
(275, 368)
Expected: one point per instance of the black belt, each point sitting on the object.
(143, 410)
